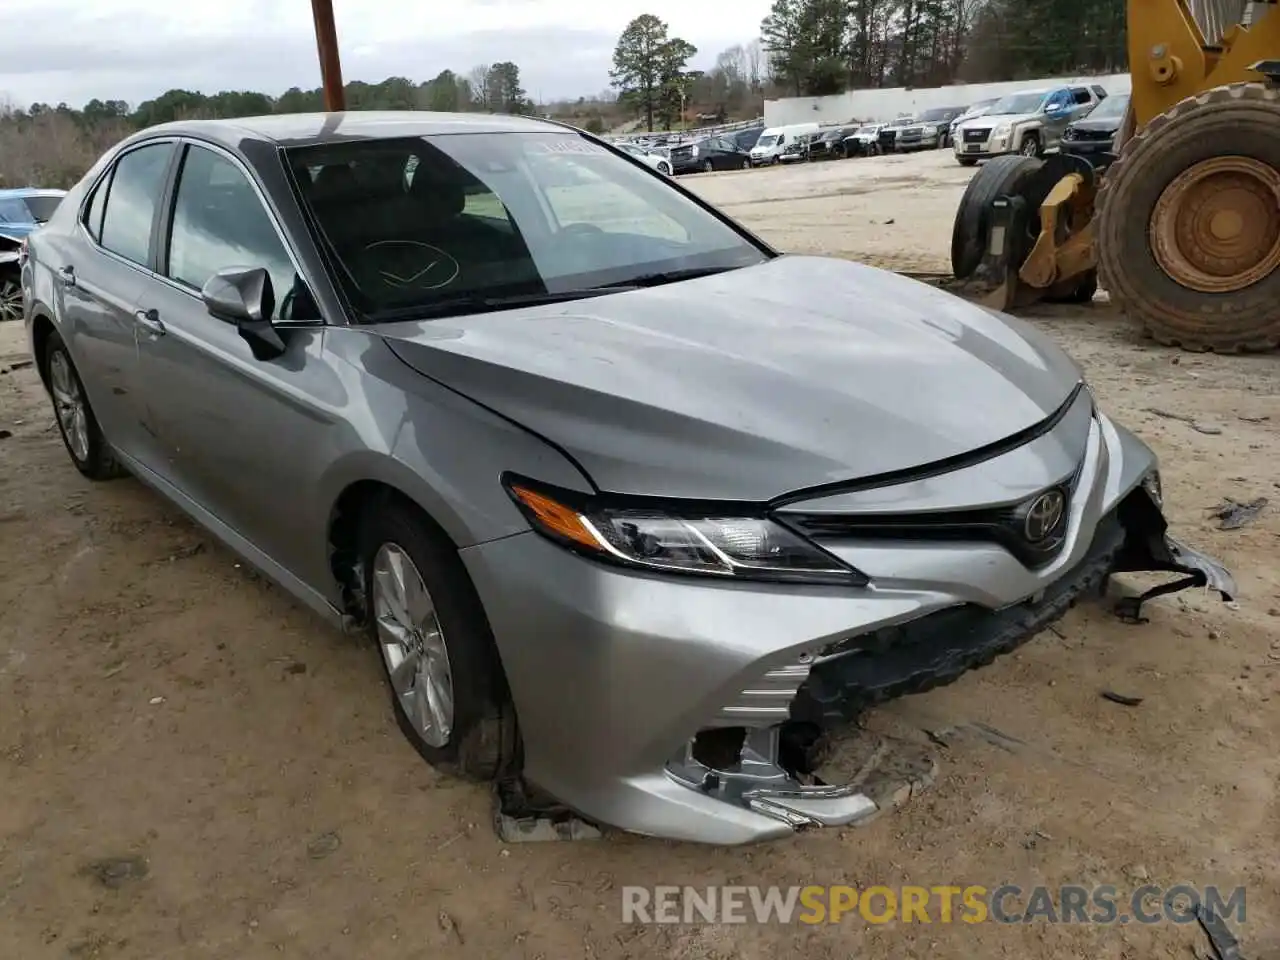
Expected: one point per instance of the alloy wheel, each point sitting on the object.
(413, 645)
(10, 300)
(69, 405)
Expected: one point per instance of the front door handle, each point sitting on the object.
(150, 321)
(68, 276)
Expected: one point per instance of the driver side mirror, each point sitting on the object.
(246, 299)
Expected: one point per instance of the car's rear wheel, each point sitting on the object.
(664, 168)
(446, 683)
(10, 296)
(81, 435)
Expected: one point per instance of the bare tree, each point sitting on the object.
(479, 80)
(754, 64)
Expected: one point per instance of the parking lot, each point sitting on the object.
(159, 701)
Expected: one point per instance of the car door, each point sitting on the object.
(100, 277)
(243, 436)
(1058, 112)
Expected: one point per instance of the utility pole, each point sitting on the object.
(330, 63)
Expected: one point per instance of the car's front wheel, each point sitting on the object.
(447, 687)
(664, 168)
(708, 167)
(81, 435)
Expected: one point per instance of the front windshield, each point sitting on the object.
(768, 140)
(413, 222)
(869, 128)
(941, 113)
(1016, 104)
(1111, 107)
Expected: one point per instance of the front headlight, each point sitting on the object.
(677, 540)
(1003, 129)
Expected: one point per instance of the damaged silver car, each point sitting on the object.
(633, 507)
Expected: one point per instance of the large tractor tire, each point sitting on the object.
(999, 176)
(1189, 223)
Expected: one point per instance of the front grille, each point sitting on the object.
(1006, 526)
(940, 647)
(1095, 136)
(977, 136)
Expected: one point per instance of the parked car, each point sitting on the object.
(1028, 123)
(631, 505)
(887, 138)
(746, 139)
(828, 145)
(708, 154)
(22, 209)
(1093, 136)
(774, 140)
(658, 161)
(975, 110)
(864, 141)
(929, 131)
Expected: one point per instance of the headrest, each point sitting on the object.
(334, 181)
(441, 195)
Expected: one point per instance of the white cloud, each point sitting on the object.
(62, 50)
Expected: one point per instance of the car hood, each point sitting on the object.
(1105, 124)
(751, 384)
(991, 119)
(16, 231)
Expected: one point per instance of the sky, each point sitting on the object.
(132, 50)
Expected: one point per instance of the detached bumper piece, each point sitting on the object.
(771, 770)
(1148, 547)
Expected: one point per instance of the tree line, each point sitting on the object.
(819, 47)
(52, 146)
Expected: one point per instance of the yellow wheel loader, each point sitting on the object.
(1183, 229)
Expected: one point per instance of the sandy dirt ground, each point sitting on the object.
(159, 702)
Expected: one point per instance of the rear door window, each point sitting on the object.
(135, 192)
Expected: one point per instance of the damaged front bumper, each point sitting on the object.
(690, 709)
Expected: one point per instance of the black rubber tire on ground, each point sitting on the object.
(998, 176)
(1239, 119)
(484, 742)
(967, 161)
(1031, 145)
(708, 167)
(746, 163)
(101, 462)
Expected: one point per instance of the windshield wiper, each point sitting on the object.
(460, 306)
(668, 276)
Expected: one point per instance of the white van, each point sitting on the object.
(774, 139)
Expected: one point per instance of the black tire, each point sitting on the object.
(746, 163)
(998, 176)
(708, 167)
(483, 744)
(100, 462)
(1031, 145)
(1237, 120)
(10, 294)
(967, 161)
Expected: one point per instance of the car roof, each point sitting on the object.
(306, 129)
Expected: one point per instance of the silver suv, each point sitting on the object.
(1029, 123)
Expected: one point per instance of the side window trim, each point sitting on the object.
(106, 180)
(163, 236)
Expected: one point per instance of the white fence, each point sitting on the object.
(887, 103)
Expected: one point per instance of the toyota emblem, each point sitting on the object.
(1044, 515)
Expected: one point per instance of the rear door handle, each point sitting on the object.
(68, 276)
(150, 321)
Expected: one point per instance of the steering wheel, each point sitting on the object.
(411, 264)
